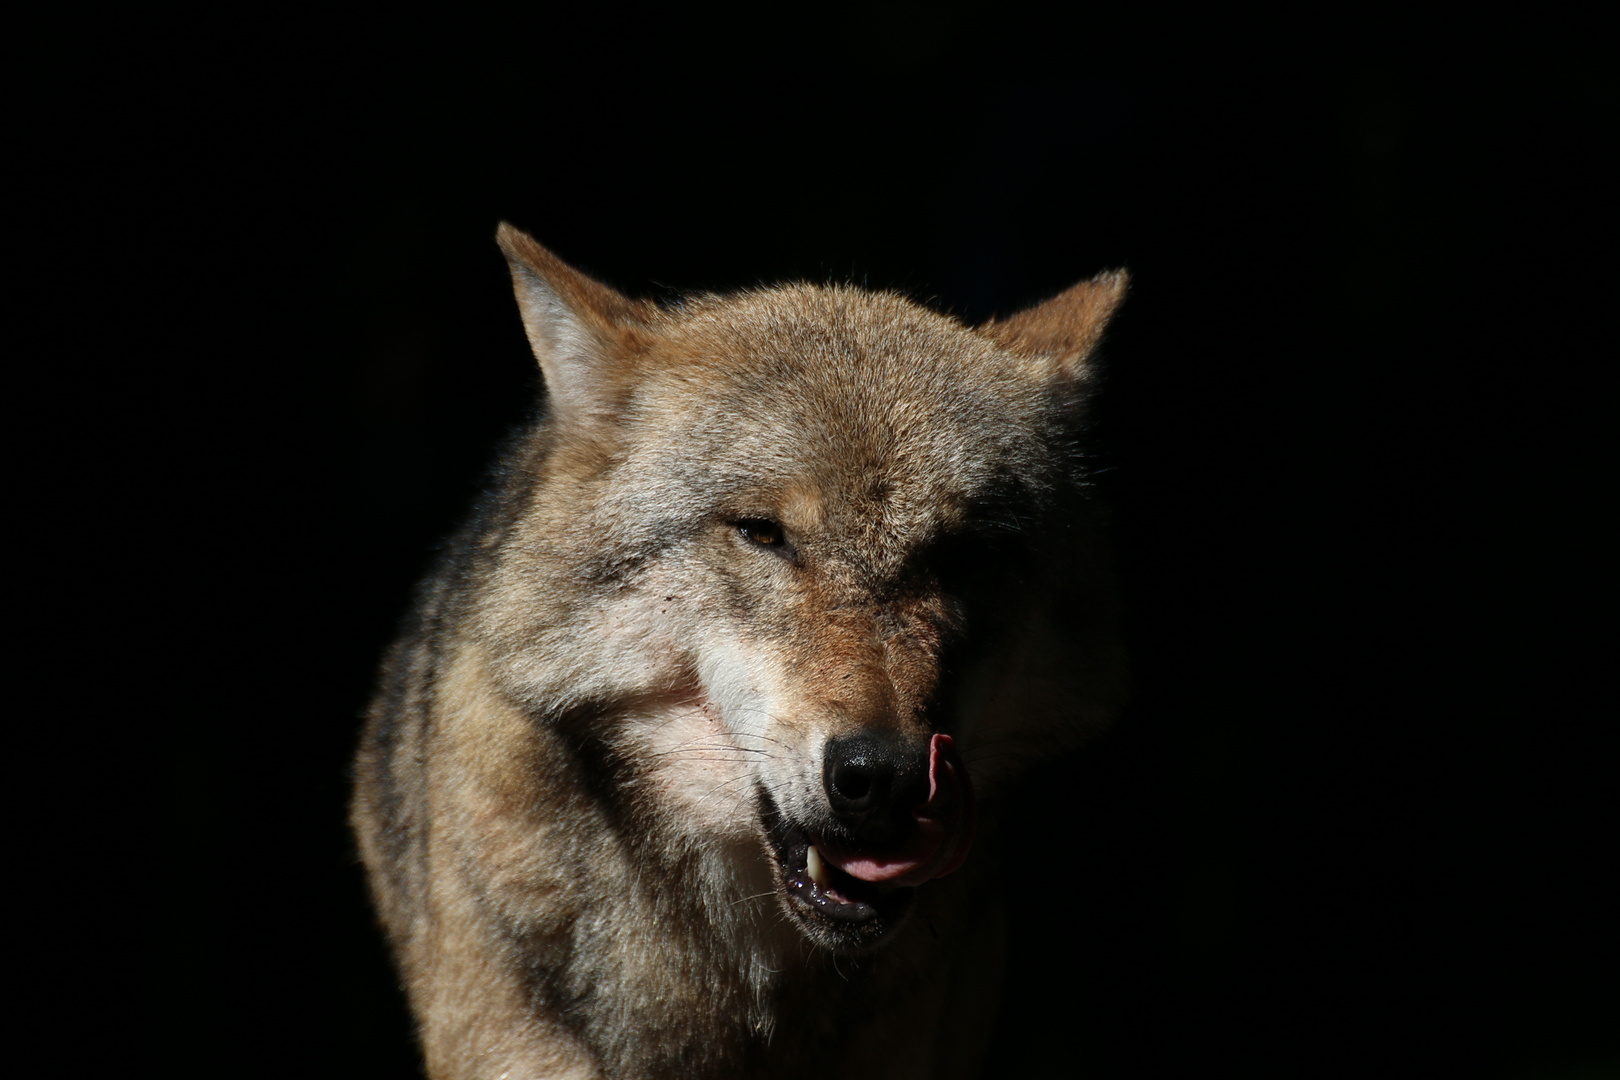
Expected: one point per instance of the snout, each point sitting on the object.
(898, 812)
(903, 810)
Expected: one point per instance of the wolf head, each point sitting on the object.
(799, 562)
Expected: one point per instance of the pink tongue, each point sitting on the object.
(943, 834)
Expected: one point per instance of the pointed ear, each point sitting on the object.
(582, 332)
(1065, 329)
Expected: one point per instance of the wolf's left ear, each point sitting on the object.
(1065, 329)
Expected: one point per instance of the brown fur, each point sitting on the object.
(617, 671)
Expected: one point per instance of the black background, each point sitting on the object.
(1360, 819)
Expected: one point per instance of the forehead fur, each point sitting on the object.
(838, 337)
(866, 362)
(861, 403)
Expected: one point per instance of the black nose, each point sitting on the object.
(873, 781)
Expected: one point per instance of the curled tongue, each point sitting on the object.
(943, 833)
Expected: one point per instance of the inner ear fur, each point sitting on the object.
(1064, 330)
(583, 332)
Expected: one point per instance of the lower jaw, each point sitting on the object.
(845, 936)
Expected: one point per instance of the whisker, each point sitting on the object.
(719, 789)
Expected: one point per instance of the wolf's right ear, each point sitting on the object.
(1065, 330)
(582, 331)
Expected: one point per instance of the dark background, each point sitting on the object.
(1361, 818)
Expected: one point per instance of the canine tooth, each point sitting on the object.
(817, 868)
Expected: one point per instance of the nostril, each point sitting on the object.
(849, 781)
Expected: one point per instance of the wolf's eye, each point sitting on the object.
(767, 534)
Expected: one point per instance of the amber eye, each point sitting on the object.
(763, 532)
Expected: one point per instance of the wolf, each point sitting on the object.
(690, 759)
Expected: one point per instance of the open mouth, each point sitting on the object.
(814, 884)
(846, 895)
(832, 907)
